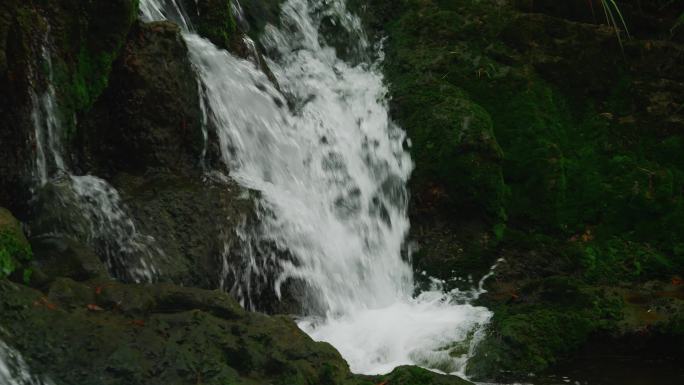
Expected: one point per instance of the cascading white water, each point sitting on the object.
(91, 207)
(15, 371)
(332, 176)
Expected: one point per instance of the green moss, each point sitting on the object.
(85, 45)
(216, 22)
(15, 252)
(617, 260)
(411, 375)
(536, 150)
(678, 24)
(560, 315)
(531, 341)
(13, 255)
(458, 158)
(454, 147)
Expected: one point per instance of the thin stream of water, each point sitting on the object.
(88, 207)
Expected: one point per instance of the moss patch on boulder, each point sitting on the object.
(15, 251)
(213, 19)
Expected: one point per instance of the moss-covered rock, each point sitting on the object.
(103, 332)
(15, 251)
(411, 375)
(58, 256)
(195, 222)
(213, 19)
(545, 321)
(458, 159)
(172, 335)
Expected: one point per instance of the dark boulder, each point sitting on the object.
(149, 118)
(59, 256)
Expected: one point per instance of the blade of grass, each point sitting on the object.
(622, 19)
(610, 8)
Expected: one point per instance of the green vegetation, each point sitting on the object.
(15, 252)
(678, 24)
(494, 136)
(530, 337)
(84, 52)
(539, 140)
(214, 20)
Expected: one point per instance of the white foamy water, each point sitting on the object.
(429, 331)
(15, 371)
(332, 173)
(91, 208)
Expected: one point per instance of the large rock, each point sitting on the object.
(58, 256)
(103, 333)
(196, 222)
(149, 118)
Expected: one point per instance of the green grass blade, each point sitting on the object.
(622, 19)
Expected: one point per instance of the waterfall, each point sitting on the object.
(15, 371)
(332, 171)
(87, 207)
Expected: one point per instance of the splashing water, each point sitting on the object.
(91, 208)
(332, 174)
(15, 371)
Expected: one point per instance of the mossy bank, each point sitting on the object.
(540, 140)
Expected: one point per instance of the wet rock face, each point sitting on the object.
(59, 256)
(194, 221)
(229, 24)
(15, 125)
(149, 118)
(82, 45)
